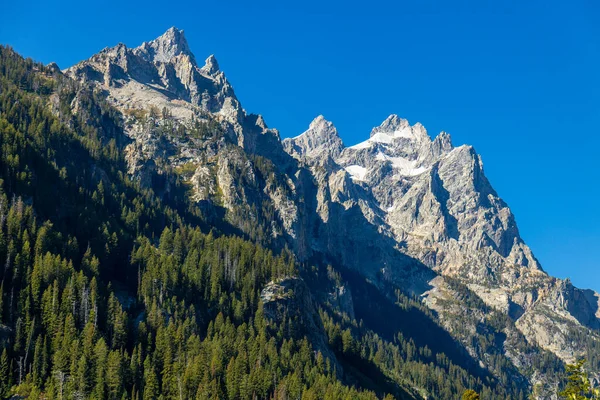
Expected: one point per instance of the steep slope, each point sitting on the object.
(161, 78)
(403, 211)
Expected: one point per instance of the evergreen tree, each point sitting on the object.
(151, 388)
(4, 375)
(470, 395)
(578, 384)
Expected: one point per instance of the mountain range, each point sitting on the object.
(398, 241)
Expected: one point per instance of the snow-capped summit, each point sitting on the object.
(393, 123)
(395, 131)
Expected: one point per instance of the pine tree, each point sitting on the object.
(578, 384)
(151, 389)
(114, 375)
(38, 361)
(347, 342)
(101, 360)
(470, 395)
(4, 375)
(1, 301)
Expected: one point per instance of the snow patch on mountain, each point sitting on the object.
(356, 172)
(402, 165)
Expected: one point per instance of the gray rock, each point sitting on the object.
(321, 140)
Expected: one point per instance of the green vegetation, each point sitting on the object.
(470, 395)
(578, 385)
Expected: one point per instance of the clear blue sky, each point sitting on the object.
(518, 81)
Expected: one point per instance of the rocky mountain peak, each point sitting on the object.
(395, 127)
(405, 193)
(420, 133)
(53, 67)
(445, 138)
(396, 135)
(322, 127)
(442, 144)
(393, 123)
(164, 48)
(162, 72)
(321, 139)
(211, 65)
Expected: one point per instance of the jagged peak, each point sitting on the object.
(320, 127)
(444, 140)
(119, 48)
(319, 117)
(420, 132)
(173, 31)
(391, 124)
(395, 127)
(53, 67)
(257, 120)
(211, 65)
(167, 46)
(392, 129)
(321, 121)
(260, 121)
(320, 139)
(444, 135)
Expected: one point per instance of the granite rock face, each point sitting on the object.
(161, 73)
(321, 140)
(160, 83)
(400, 208)
(435, 201)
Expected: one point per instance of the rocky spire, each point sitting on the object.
(322, 127)
(211, 65)
(165, 47)
(442, 143)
